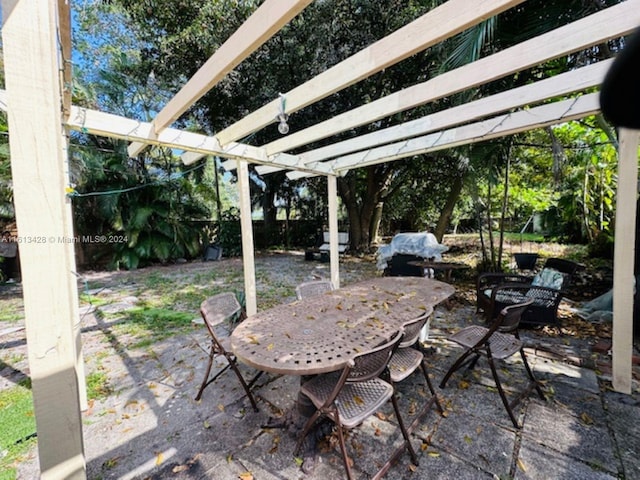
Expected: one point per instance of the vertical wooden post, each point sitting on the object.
(623, 275)
(38, 145)
(246, 225)
(334, 256)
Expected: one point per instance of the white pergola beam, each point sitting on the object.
(268, 19)
(436, 25)
(612, 22)
(496, 127)
(109, 125)
(31, 42)
(556, 86)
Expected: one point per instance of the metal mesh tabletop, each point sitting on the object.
(321, 333)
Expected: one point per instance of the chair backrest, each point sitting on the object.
(312, 288)
(371, 364)
(219, 308)
(562, 265)
(412, 330)
(509, 317)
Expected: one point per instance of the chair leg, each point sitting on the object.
(458, 364)
(430, 387)
(205, 381)
(306, 429)
(343, 449)
(530, 374)
(247, 389)
(405, 434)
(501, 391)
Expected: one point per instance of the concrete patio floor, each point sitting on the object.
(153, 429)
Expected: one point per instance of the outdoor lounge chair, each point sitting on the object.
(494, 291)
(350, 396)
(215, 311)
(406, 360)
(313, 287)
(498, 342)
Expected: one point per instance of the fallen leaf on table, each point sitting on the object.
(358, 400)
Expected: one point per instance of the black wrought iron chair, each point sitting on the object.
(407, 359)
(215, 311)
(498, 342)
(351, 395)
(313, 287)
(494, 291)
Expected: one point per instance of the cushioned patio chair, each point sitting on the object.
(498, 342)
(350, 396)
(494, 291)
(216, 311)
(407, 359)
(312, 288)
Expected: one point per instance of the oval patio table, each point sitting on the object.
(319, 334)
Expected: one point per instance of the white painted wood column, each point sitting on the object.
(246, 225)
(334, 256)
(38, 163)
(623, 261)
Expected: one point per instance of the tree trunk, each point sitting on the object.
(445, 215)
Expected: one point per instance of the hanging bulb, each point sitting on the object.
(283, 128)
(282, 117)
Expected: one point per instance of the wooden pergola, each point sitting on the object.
(37, 44)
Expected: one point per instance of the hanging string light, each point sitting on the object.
(282, 117)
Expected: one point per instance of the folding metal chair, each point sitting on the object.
(498, 342)
(216, 310)
(407, 359)
(313, 287)
(350, 396)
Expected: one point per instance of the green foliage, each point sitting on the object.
(147, 205)
(98, 386)
(230, 233)
(17, 426)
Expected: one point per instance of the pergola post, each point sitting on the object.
(33, 69)
(332, 195)
(623, 261)
(246, 226)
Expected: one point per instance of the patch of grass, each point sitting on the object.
(153, 323)
(98, 385)
(17, 427)
(12, 310)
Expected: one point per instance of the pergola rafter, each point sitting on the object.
(501, 126)
(556, 86)
(267, 20)
(599, 27)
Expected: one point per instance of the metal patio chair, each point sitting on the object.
(215, 311)
(407, 359)
(351, 395)
(494, 291)
(312, 288)
(498, 342)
